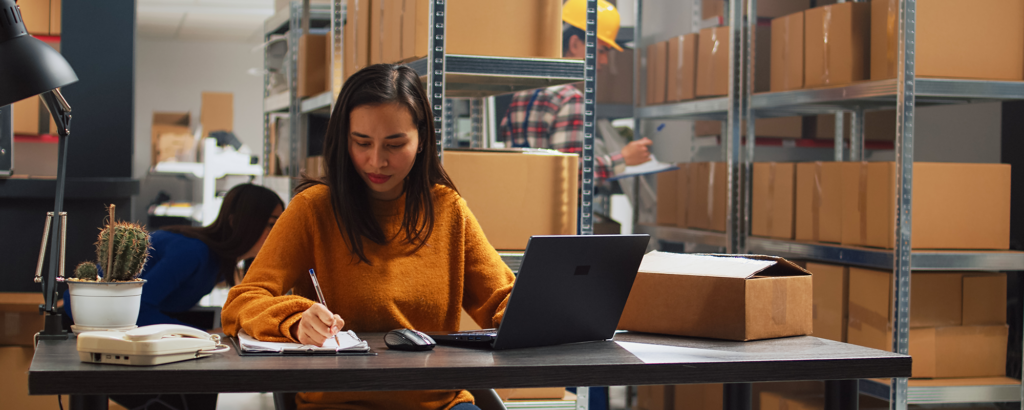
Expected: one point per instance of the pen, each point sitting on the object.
(320, 295)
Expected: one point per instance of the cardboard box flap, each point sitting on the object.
(179, 119)
(723, 266)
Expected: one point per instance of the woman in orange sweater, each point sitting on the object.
(392, 242)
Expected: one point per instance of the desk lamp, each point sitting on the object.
(30, 67)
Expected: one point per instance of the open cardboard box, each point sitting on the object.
(734, 297)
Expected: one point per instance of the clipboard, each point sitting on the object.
(355, 347)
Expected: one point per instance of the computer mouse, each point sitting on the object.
(409, 340)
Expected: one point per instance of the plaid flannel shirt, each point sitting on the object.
(556, 122)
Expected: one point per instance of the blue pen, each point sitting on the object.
(320, 295)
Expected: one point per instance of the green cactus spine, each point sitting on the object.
(130, 251)
(86, 271)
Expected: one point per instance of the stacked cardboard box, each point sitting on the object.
(657, 77)
(19, 322)
(878, 126)
(171, 137)
(706, 194)
(615, 81)
(957, 320)
(673, 187)
(312, 65)
(682, 66)
(217, 112)
(771, 212)
(831, 296)
(41, 17)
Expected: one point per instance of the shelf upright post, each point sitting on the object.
(857, 134)
(589, 123)
(838, 146)
(476, 118)
(696, 19)
(294, 128)
(905, 84)
(435, 70)
(450, 139)
(747, 174)
(338, 13)
(492, 123)
(731, 141)
(639, 92)
(267, 155)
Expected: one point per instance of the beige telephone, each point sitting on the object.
(148, 345)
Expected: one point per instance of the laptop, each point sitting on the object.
(570, 288)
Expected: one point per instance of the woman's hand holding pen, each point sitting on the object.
(317, 325)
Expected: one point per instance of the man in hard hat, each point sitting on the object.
(553, 117)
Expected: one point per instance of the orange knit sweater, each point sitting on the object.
(426, 290)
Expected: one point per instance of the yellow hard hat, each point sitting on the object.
(574, 12)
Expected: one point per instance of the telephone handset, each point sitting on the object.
(148, 345)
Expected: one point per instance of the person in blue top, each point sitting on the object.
(186, 262)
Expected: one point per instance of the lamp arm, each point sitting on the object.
(59, 109)
(61, 112)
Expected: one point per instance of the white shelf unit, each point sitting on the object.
(217, 163)
(905, 93)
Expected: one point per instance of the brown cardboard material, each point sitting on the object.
(515, 194)
(854, 203)
(654, 397)
(762, 57)
(706, 205)
(781, 401)
(55, 17)
(682, 67)
(312, 65)
(16, 360)
(959, 351)
(713, 62)
(785, 389)
(667, 185)
(357, 36)
(697, 396)
(831, 300)
(549, 393)
(733, 297)
(937, 301)
(615, 81)
(314, 166)
(787, 55)
(36, 15)
(481, 27)
(773, 196)
(956, 206)
(682, 193)
(836, 44)
(878, 126)
(31, 117)
(657, 66)
(20, 318)
(390, 30)
(988, 43)
(217, 112)
(171, 136)
(819, 202)
(776, 127)
(765, 8)
(984, 299)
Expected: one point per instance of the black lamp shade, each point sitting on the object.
(28, 66)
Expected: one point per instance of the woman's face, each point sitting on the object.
(383, 142)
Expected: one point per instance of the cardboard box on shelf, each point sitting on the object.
(36, 15)
(819, 202)
(680, 397)
(19, 318)
(314, 166)
(958, 351)
(773, 196)
(836, 44)
(615, 82)
(386, 37)
(312, 65)
(55, 17)
(787, 55)
(481, 27)
(657, 66)
(32, 118)
(763, 58)
(937, 302)
(765, 8)
(705, 197)
(733, 297)
(217, 112)
(16, 360)
(713, 62)
(682, 192)
(956, 205)
(831, 300)
(357, 37)
(878, 126)
(549, 393)
(682, 67)
(984, 299)
(988, 43)
(668, 197)
(771, 400)
(171, 136)
(654, 397)
(775, 127)
(516, 194)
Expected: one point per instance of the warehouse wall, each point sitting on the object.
(170, 75)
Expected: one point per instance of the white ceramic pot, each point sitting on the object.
(105, 304)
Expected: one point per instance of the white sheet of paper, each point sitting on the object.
(650, 167)
(348, 339)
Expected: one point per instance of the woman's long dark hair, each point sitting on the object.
(239, 225)
(350, 197)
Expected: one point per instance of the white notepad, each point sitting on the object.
(349, 342)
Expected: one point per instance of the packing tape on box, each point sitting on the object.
(354, 20)
(678, 72)
(714, 52)
(816, 203)
(860, 316)
(862, 203)
(826, 23)
(771, 199)
(891, 33)
(785, 55)
(711, 194)
(780, 295)
(566, 203)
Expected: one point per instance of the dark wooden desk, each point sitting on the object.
(632, 359)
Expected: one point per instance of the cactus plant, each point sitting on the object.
(129, 250)
(86, 271)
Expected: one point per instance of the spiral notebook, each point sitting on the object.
(348, 344)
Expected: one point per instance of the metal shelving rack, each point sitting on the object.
(905, 93)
